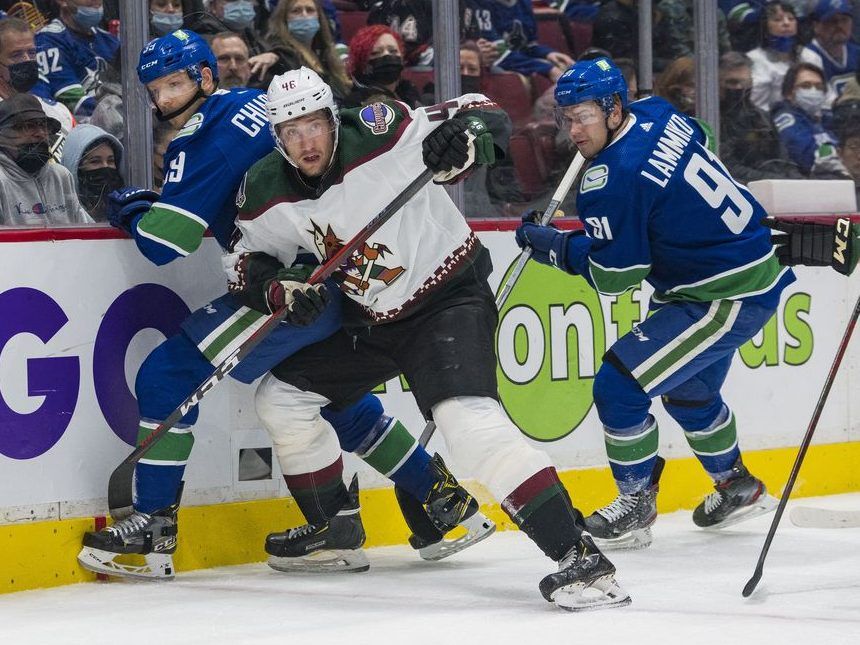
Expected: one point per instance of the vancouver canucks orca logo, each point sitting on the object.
(377, 117)
(363, 266)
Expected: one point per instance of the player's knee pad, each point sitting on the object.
(355, 424)
(170, 373)
(486, 445)
(303, 440)
(619, 399)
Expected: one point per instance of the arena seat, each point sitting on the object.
(533, 151)
(511, 91)
(351, 22)
(551, 30)
(581, 33)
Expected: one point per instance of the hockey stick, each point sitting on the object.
(809, 517)
(801, 453)
(557, 197)
(120, 494)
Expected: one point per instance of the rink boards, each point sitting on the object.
(79, 316)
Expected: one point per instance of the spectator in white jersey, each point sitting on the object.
(776, 52)
(33, 192)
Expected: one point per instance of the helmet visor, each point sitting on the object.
(583, 114)
(306, 127)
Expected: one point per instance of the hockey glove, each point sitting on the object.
(126, 204)
(305, 302)
(810, 244)
(456, 146)
(549, 245)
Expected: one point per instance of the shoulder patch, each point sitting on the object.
(191, 126)
(595, 178)
(783, 121)
(377, 117)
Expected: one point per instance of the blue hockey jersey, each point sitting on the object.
(69, 64)
(203, 167)
(836, 72)
(513, 28)
(809, 143)
(657, 205)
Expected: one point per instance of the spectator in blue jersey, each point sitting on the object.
(803, 124)
(832, 49)
(509, 27)
(777, 50)
(220, 135)
(658, 206)
(72, 51)
(413, 20)
(93, 157)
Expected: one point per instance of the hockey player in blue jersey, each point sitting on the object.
(832, 49)
(658, 206)
(221, 134)
(72, 50)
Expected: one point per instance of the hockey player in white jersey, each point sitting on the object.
(418, 303)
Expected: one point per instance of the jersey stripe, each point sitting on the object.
(753, 278)
(612, 281)
(173, 227)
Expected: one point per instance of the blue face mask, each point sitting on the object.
(88, 17)
(239, 14)
(781, 43)
(165, 23)
(304, 29)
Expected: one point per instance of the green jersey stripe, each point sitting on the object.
(718, 441)
(614, 282)
(237, 332)
(631, 450)
(393, 448)
(750, 279)
(176, 230)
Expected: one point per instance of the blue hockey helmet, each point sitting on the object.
(592, 80)
(177, 51)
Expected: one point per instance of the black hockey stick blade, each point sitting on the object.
(120, 489)
(801, 452)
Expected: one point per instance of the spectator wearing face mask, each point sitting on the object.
(849, 152)
(300, 35)
(72, 50)
(375, 64)
(165, 16)
(93, 157)
(33, 192)
(832, 50)
(799, 119)
(749, 144)
(677, 84)
(19, 72)
(776, 51)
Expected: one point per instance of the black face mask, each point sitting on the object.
(384, 70)
(23, 76)
(32, 157)
(734, 98)
(470, 84)
(95, 185)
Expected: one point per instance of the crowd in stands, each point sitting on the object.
(788, 82)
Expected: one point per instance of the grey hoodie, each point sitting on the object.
(79, 139)
(46, 199)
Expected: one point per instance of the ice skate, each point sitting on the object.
(139, 546)
(626, 522)
(449, 506)
(738, 498)
(330, 547)
(585, 580)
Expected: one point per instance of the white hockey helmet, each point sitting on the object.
(295, 94)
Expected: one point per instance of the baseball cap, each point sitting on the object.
(826, 9)
(22, 108)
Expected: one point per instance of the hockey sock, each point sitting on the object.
(716, 445)
(159, 472)
(392, 450)
(319, 494)
(632, 453)
(542, 509)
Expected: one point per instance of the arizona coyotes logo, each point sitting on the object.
(362, 267)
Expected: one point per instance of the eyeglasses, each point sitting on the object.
(32, 127)
(584, 114)
(294, 132)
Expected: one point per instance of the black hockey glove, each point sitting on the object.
(305, 302)
(455, 146)
(811, 244)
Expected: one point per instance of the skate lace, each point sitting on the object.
(301, 531)
(712, 502)
(132, 524)
(622, 505)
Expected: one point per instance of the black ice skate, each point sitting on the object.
(447, 507)
(626, 522)
(329, 547)
(111, 550)
(737, 498)
(585, 580)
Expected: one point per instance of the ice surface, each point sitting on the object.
(686, 588)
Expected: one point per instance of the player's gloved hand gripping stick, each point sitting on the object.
(557, 197)
(120, 495)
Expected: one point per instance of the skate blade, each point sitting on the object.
(601, 593)
(323, 561)
(632, 541)
(478, 527)
(761, 506)
(155, 566)
(824, 518)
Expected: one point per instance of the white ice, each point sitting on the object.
(686, 589)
